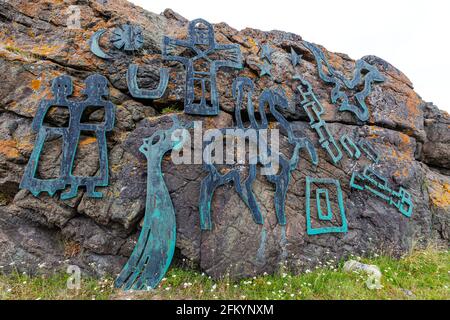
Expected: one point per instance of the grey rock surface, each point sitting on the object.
(44, 234)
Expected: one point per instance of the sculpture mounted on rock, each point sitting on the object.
(149, 94)
(155, 247)
(96, 89)
(375, 183)
(205, 57)
(126, 37)
(129, 38)
(350, 147)
(266, 56)
(325, 190)
(314, 109)
(245, 188)
(295, 58)
(364, 74)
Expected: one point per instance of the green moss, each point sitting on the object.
(421, 275)
(13, 49)
(170, 109)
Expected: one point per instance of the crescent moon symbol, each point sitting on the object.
(95, 45)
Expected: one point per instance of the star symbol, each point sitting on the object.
(266, 52)
(266, 68)
(295, 57)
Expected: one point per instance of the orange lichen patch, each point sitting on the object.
(401, 156)
(9, 149)
(35, 84)
(252, 42)
(45, 50)
(406, 140)
(87, 141)
(253, 45)
(412, 104)
(401, 173)
(336, 61)
(116, 168)
(439, 194)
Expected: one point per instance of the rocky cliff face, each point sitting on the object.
(41, 234)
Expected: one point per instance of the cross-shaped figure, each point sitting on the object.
(201, 64)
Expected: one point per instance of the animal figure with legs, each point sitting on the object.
(244, 188)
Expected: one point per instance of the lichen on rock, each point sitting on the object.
(98, 234)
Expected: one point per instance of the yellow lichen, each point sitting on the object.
(439, 194)
(9, 149)
(35, 84)
(87, 141)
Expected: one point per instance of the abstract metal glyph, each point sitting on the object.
(364, 74)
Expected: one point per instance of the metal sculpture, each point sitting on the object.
(369, 150)
(314, 110)
(363, 73)
(295, 58)
(324, 190)
(154, 250)
(96, 89)
(266, 53)
(375, 183)
(244, 188)
(266, 69)
(202, 66)
(127, 37)
(350, 147)
(94, 44)
(139, 93)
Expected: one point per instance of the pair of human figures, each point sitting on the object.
(96, 88)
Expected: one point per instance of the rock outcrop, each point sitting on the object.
(42, 234)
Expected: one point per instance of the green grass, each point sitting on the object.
(170, 109)
(421, 275)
